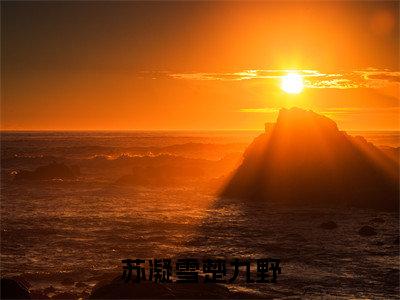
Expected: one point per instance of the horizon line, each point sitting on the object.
(167, 130)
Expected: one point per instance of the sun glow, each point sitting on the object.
(292, 83)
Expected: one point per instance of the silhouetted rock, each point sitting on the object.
(367, 231)
(118, 289)
(305, 159)
(14, 289)
(328, 225)
(49, 172)
(164, 170)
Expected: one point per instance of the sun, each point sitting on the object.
(292, 83)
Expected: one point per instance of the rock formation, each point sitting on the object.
(305, 159)
(48, 172)
(14, 289)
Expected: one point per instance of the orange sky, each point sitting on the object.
(196, 65)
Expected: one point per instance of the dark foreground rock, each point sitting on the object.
(118, 289)
(328, 225)
(49, 172)
(367, 231)
(14, 289)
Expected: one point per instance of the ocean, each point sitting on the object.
(153, 195)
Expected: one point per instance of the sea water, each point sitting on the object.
(70, 234)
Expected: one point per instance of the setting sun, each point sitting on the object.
(292, 83)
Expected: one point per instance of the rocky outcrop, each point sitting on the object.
(49, 172)
(14, 289)
(305, 159)
(328, 225)
(367, 231)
